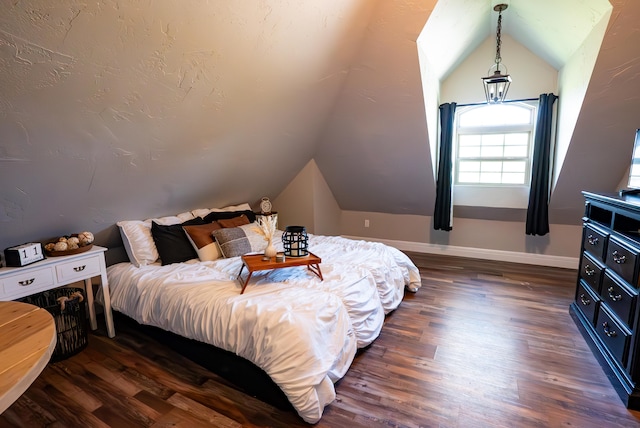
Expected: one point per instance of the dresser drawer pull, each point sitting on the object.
(613, 296)
(79, 268)
(584, 300)
(618, 258)
(588, 270)
(593, 240)
(26, 282)
(608, 331)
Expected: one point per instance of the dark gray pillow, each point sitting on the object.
(226, 215)
(233, 241)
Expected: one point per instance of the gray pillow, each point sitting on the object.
(232, 241)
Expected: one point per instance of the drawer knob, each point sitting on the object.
(79, 268)
(588, 270)
(608, 331)
(618, 258)
(26, 282)
(584, 300)
(612, 296)
(593, 240)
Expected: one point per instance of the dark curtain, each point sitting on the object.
(538, 209)
(442, 218)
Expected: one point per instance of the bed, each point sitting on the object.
(302, 331)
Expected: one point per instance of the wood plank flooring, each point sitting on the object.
(482, 344)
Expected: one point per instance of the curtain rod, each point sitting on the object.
(507, 101)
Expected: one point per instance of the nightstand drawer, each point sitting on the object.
(594, 241)
(622, 260)
(619, 298)
(587, 301)
(590, 272)
(613, 335)
(25, 283)
(78, 269)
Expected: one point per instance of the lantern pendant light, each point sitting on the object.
(496, 84)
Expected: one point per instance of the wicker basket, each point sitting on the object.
(71, 321)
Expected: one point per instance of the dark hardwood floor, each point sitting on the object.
(482, 344)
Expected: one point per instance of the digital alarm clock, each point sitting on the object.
(22, 255)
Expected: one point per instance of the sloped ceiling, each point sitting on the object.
(117, 109)
(553, 30)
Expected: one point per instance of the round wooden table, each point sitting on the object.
(27, 341)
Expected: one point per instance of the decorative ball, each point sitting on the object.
(72, 245)
(50, 246)
(60, 246)
(85, 238)
(73, 241)
(62, 239)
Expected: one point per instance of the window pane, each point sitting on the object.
(495, 115)
(469, 152)
(490, 177)
(517, 139)
(492, 152)
(512, 178)
(515, 152)
(468, 177)
(470, 139)
(634, 174)
(465, 166)
(514, 167)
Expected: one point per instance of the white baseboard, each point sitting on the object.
(480, 253)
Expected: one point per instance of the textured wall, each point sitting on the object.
(374, 152)
(114, 110)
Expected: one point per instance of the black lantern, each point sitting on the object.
(497, 83)
(295, 241)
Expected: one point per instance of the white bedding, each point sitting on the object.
(303, 332)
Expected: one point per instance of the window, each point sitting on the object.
(492, 154)
(494, 144)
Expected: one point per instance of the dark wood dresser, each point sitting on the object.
(606, 306)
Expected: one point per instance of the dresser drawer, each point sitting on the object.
(619, 298)
(587, 301)
(622, 259)
(613, 335)
(594, 241)
(78, 269)
(25, 283)
(590, 272)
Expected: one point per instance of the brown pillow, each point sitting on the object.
(201, 239)
(234, 222)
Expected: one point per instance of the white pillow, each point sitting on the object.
(201, 212)
(137, 239)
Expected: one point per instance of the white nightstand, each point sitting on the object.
(53, 272)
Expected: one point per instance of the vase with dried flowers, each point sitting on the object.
(267, 228)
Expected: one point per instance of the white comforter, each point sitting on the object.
(303, 332)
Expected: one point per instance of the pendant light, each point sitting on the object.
(496, 84)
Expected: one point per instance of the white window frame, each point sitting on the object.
(494, 195)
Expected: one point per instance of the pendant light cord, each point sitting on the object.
(498, 41)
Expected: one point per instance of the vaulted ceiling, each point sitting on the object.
(119, 109)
